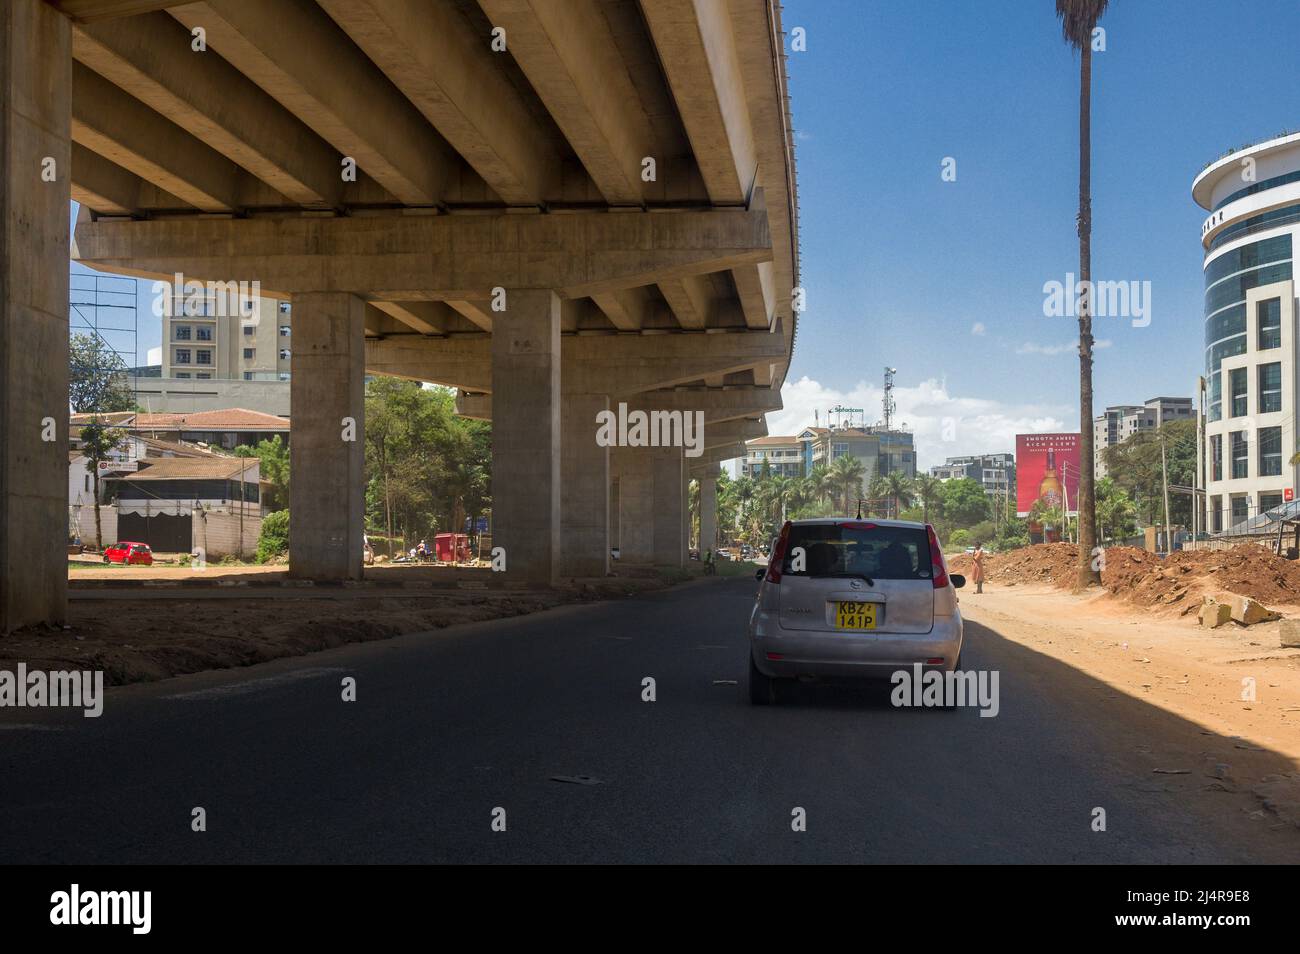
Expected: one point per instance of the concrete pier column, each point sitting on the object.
(708, 514)
(35, 191)
(670, 511)
(326, 440)
(635, 504)
(584, 495)
(526, 438)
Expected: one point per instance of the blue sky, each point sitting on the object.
(900, 266)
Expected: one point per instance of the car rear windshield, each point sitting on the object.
(859, 549)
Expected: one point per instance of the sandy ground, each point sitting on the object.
(1175, 664)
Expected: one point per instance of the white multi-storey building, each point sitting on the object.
(1249, 238)
(1119, 422)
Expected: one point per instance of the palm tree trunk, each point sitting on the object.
(99, 535)
(1087, 523)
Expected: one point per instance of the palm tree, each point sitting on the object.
(878, 489)
(1078, 20)
(927, 491)
(846, 476)
(900, 490)
(819, 482)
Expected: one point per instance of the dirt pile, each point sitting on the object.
(1140, 577)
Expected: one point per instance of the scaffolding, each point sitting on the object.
(98, 306)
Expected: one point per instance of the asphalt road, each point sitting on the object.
(449, 726)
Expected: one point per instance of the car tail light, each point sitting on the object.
(938, 569)
(778, 555)
(856, 525)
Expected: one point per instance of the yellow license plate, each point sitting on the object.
(853, 615)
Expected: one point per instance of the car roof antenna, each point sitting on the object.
(859, 508)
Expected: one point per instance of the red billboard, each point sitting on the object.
(1047, 468)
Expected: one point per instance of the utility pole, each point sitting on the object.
(1164, 470)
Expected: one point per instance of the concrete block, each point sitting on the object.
(1214, 614)
(1289, 634)
(1248, 612)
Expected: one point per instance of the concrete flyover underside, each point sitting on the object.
(559, 208)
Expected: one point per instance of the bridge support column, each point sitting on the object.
(35, 191)
(526, 446)
(326, 443)
(670, 510)
(584, 498)
(708, 514)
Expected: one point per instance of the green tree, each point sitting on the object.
(98, 443)
(273, 466)
(97, 377)
(273, 539)
(1134, 467)
(964, 502)
(846, 474)
(1078, 20)
(899, 490)
(928, 492)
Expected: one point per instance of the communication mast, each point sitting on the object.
(888, 401)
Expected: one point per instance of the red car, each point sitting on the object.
(128, 552)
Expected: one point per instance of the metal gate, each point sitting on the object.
(163, 532)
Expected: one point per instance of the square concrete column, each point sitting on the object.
(526, 434)
(670, 510)
(584, 495)
(327, 490)
(35, 191)
(708, 514)
(635, 504)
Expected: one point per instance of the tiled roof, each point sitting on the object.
(762, 441)
(231, 419)
(193, 468)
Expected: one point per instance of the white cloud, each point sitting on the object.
(1070, 347)
(154, 356)
(943, 424)
(978, 329)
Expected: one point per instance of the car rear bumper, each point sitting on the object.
(851, 655)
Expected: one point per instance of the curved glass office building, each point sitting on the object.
(1250, 237)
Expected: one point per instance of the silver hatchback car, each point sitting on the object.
(852, 599)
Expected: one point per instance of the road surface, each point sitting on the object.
(448, 726)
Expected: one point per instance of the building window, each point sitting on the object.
(1270, 451)
(1240, 455)
(284, 308)
(183, 374)
(1216, 514)
(1216, 457)
(203, 376)
(182, 355)
(182, 332)
(203, 334)
(1270, 387)
(1268, 501)
(284, 331)
(249, 353)
(1237, 383)
(1240, 507)
(1268, 315)
(248, 331)
(248, 375)
(203, 357)
(285, 354)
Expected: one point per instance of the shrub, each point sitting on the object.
(273, 541)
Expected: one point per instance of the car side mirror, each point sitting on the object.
(958, 581)
(760, 573)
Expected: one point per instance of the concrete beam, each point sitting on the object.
(728, 433)
(35, 114)
(689, 299)
(454, 78)
(617, 365)
(327, 389)
(443, 257)
(626, 309)
(150, 58)
(755, 288)
(571, 59)
(426, 317)
(102, 185)
(718, 405)
(697, 47)
(124, 130)
(474, 311)
(93, 11)
(303, 60)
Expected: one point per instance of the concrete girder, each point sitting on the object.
(698, 50)
(571, 59)
(626, 309)
(442, 257)
(473, 311)
(92, 11)
(351, 104)
(727, 433)
(426, 317)
(433, 56)
(718, 405)
(616, 365)
(150, 58)
(124, 130)
(689, 299)
(106, 187)
(755, 288)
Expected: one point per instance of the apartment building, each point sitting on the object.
(1121, 421)
(995, 472)
(225, 335)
